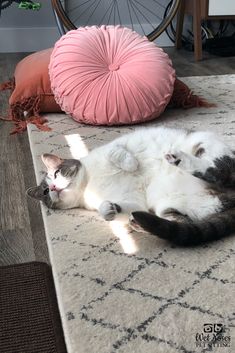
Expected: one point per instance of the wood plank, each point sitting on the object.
(180, 24)
(197, 30)
(16, 246)
(13, 208)
(203, 7)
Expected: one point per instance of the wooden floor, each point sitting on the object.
(22, 236)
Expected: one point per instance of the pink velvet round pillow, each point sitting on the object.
(110, 75)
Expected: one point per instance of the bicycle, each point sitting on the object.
(131, 13)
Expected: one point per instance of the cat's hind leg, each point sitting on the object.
(220, 172)
(187, 162)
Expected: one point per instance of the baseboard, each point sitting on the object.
(27, 39)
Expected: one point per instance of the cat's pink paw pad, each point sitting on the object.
(172, 158)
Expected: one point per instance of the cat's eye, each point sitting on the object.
(199, 152)
(46, 191)
(56, 173)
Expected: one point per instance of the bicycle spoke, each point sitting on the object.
(110, 14)
(77, 6)
(93, 12)
(128, 4)
(153, 13)
(114, 15)
(82, 13)
(102, 20)
(137, 17)
(159, 4)
(120, 21)
(141, 13)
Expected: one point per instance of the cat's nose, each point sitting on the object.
(52, 187)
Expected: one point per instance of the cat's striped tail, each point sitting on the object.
(188, 233)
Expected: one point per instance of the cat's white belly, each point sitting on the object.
(161, 190)
(180, 191)
(118, 189)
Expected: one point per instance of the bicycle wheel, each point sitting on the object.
(147, 17)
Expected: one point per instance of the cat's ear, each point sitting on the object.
(51, 161)
(35, 192)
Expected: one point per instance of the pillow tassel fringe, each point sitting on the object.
(183, 97)
(24, 112)
(7, 85)
(27, 111)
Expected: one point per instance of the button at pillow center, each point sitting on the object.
(113, 67)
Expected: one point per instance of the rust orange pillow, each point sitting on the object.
(31, 91)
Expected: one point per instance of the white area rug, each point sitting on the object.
(133, 293)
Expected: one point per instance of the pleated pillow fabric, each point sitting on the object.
(110, 75)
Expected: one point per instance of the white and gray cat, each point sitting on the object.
(173, 183)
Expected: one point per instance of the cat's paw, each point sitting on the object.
(108, 210)
(173, 158)
(123, 159)
(130, 164)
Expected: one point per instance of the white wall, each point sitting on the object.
(22, 30)
(26, 31)
(221, 8)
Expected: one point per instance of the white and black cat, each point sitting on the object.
(173, 183)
